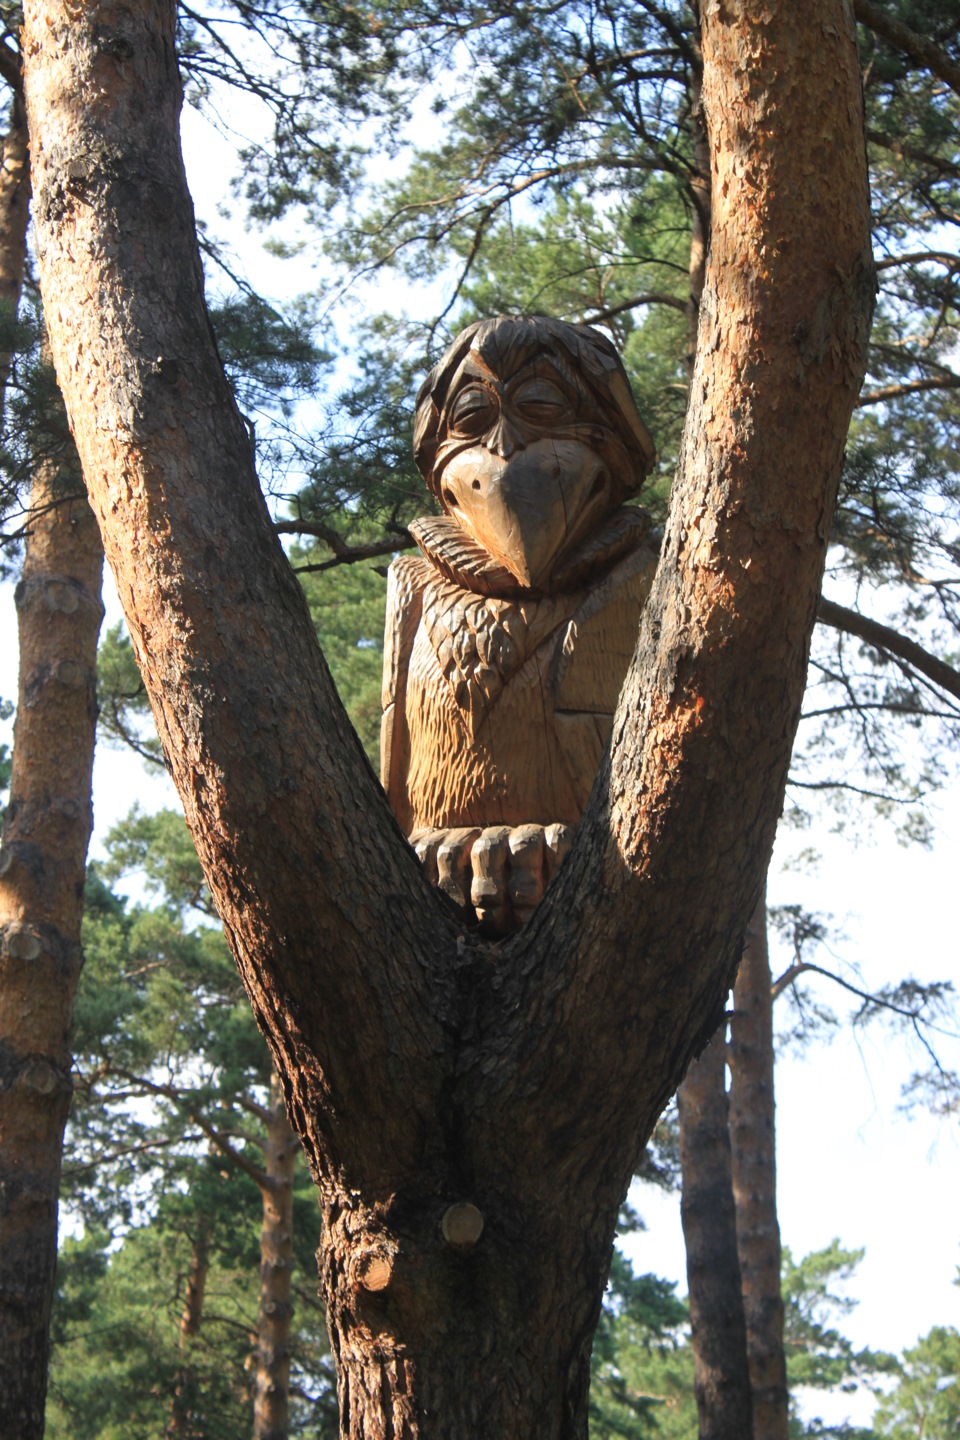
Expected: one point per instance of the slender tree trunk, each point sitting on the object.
(191, 1319)
(721, 1374)
(753, 1151)
(472, 1114)
(42, 860)
(41, 900)
(709, 1225)
(272, 1382)
(699, 213)
(14, 215)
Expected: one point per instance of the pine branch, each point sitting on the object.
(10, 70)
(597, 317)
(877, 1001)
(343, 554)
(882, 637)
(917, 47)
(908, 387)
(895, 145)
(919, 257)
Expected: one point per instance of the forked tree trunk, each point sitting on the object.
(753, 1150)
(191, 1318)
(721, 1373)
(271, 1394)
(472, 1113)
(41, 902)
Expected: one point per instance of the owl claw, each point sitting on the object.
(498, 873)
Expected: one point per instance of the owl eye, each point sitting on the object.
(474, 412)
(540, 402)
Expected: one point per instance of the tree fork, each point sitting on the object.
(471, 1114)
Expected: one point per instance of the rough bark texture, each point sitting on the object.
(14, 209)
(721, 1374)
(271, 1391)
(429, 1077)
(41, 895)
(42, 861)
(753, 1150)
(699, 213)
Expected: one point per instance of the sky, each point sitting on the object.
(851, 1163)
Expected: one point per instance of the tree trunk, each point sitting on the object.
(42, 860)
(472, 1112)
(721, 1374)
(14, 217)
(753, 1147)
(41, 900)
(272, 1382)
(191, 1319)
(699, 183)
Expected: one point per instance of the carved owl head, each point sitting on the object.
(528, 433)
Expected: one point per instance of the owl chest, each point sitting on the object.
(480, 711)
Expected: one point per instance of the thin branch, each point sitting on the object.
(343, 554)
(882, 637)
(216, 1137)
(916, 46)
(919, 257)
(908, 387)
(10, 68)
(910, 152)
(99, 1160)
(597, 317)
(802, 967)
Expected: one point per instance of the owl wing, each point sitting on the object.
(406, 580)
(591, 663)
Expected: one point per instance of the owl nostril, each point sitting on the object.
(476, 484)
(450, 499)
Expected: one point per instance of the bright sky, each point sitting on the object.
(851, 1165)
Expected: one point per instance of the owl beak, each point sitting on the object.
(529, 510)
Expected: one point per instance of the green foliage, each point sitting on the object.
(117, 1361)
(361, 477)
(642, 1366)
(6, 711)
(123, 717)
(819, 1356)
(162, 1156)
(925, 1404)
(347, 605)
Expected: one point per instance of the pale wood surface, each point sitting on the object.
(496, 710)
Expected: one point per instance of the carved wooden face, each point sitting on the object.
(520, 467)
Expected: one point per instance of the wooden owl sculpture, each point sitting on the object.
(508, 638)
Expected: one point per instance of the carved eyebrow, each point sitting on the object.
(545, 367)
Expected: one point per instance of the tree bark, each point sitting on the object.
(753, 1149)
(721, 1372)
(14, 217)
(42, 863)
(699, 212)
(190, 1321)
(472, 1113)
(271, 1393)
